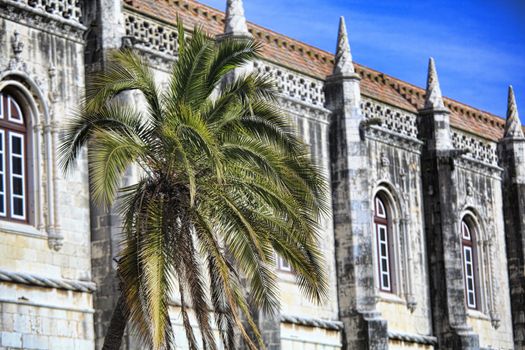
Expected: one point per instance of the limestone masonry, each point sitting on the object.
(425, 243)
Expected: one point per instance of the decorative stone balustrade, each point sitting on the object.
(294, 85)
(152, 34)
(393, 119)
(478, 148)
(68, 9)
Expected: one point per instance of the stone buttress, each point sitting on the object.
(512, 157)
(363, 328)
(442, 221)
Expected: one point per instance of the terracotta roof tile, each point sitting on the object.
(315, 62)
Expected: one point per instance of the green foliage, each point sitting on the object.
(225, 184)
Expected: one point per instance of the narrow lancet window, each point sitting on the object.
(469, 264)
(383, 238)
(13, 177)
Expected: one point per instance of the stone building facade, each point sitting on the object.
(425, 244)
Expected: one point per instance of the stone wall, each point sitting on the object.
(42, 65)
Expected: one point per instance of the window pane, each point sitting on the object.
(2, 207)
(2, 106)
(2, 183)
(465, 230)
(17, 166)
(384, 264)
(386, 283)
(18, 186)
(16, 144)
(380, 208)
(15, 110)
(18, 206)
(383, 250)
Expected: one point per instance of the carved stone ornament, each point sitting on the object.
(384, 160)
(411, 303)
(17, 47)
(470, 188)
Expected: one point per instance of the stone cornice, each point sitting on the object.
(37, 18)
(46, 282)
(474, 165)
(312, 322)
(412, 338)
(380, 134)
(304, 110)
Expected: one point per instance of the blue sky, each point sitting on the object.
(479, 45)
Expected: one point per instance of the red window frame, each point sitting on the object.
(13, 184)
(383, 235)
(470, 266)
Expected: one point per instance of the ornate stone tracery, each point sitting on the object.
(478, 148)
(151, 34)
(60, 17)
(393, 119)
(294, 85)
(68, 9)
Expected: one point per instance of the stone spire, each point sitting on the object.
(513, 125)
(343, 56)
(235, 22)
(434, 99)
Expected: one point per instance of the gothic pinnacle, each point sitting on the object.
(235, 22)
(513, 125)
(434, 99)
(343, 55)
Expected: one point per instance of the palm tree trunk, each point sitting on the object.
(118, 323)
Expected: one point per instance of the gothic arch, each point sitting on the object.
(401, 237)
(488, 290)
(389, 190)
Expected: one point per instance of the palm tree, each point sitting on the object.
(224, 186)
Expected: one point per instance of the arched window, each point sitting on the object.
(383, 232)
(13, 155)
(470, 268)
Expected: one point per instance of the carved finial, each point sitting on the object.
(513, 125)
(17, 45)
(343, 55)
(434, 99)
(235, 22)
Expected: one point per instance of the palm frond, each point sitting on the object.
(110, 154)
(225, 184)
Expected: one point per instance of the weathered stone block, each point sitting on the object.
(11, 339)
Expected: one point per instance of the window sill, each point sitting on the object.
(390, 298)
(286, 276)
(21, 229)
(478, 315)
